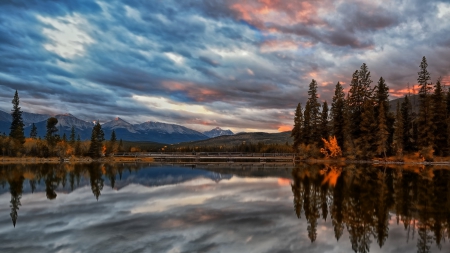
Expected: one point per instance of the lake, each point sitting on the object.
(224, 208)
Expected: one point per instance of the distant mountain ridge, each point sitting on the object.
(147, 131)
(217, 132)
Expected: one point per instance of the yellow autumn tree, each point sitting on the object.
(331, 148)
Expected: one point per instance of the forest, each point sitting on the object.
(53, 145)
(360, 125)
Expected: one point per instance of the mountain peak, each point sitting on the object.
(215, 132)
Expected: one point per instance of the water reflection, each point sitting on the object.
(362, 198)
(358, 204)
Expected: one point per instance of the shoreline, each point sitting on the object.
(56, 160)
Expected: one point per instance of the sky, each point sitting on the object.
(239, 65)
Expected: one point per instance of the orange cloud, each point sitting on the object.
(284, 128)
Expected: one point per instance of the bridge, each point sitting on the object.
(212, 156)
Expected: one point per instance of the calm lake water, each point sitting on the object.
(224, 208)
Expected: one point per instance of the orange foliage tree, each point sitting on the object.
(331, 148)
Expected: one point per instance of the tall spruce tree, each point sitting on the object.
(406, 110)
(398, 133)
(72, 136)
(51, 135)
(448, 101)
(355, 102)
(324, 129)
(439, 107)
(296, 133)
(382, 133)
(367, 141)
(307, 125)
(113, 138)
(365, 82)
(33, 131)
(17, 124)
(382, 97)
(314, 113)
(97, 138)
(337, 114)
(425, 117)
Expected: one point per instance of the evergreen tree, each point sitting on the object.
(324, 128)
(51, 135)
(382, 97)
(120, 145)
(365, 82)
(307, 125)
(367, 141)
(64, 138)
(448, 102)
(296, 133)
(398, 133)
(439, 107)
(382, 133)
(113, 138)
(97, 139)
(17, 124)
(355, 99)
(72, 136)
(33, 131)
(424, 121)
(408, 141)
(337, 114)
(314, 113)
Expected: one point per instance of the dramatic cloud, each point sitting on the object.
(242, 65)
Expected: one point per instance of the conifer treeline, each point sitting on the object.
(16, 144)
(365, 128)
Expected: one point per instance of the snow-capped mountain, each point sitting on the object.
(119, 123)
(68, 120)
(217, 132)
(148, 131)
(27, 117)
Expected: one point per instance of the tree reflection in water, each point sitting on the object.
(56, 175)
(361, 198)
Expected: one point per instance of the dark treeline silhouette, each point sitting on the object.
(365, 128)
(259, 147)
(63, 176)
(16, 144)
(360, 198)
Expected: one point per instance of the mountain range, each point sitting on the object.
(148, 131)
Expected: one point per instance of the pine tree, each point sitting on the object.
(365, 82)
(17, 124)
(296, 133)
(398, 133)
(97, 138)
(113, 138)
(324, 127)
(439, 107)
(355, 99)
(314, 113)
(33, 131)
(337, 114)
(408, 141)
(448, 102)
(382, 97)
(72, 136)
(64, 138)
(382, 133)
(51, 136)
(307, 125)
(424, 120)
(367, 141)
